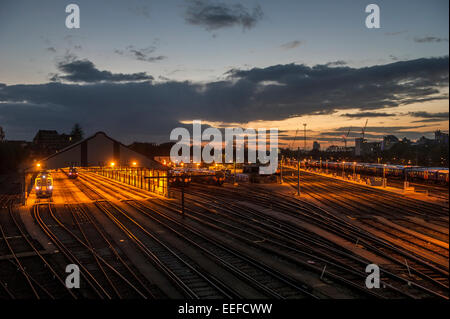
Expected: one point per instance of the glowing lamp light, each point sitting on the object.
(38, 164)
(112, 164)
(134, 163)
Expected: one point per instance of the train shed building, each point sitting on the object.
(104, 155)
(98, 150)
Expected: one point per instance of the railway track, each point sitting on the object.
(26, 272)
(183, 272)
(395, 275)
(101, 277)
(308, 178)
(256, 273)
(425, 270)
(338, 254)
(364, 212)
(431, 280)
(272, 283)
(343, 204)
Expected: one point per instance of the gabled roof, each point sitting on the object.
(155, 164)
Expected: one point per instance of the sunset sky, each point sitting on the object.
(137, 69)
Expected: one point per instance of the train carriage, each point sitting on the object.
(43, 185)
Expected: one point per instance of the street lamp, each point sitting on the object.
(354, 171)
(343, 169)
(384, 175)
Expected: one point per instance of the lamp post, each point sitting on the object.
(384, 175)
(406, 178)
(343, 169)
(354, 171)
(281, 170)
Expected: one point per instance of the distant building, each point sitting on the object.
(388, 142)
(359, 141)
(316, 146)
(371, 147)
(335, 149)
(49, 141)
(362, 147)
(440, 137)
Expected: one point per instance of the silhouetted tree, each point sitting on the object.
(2, 134)
(77, 133)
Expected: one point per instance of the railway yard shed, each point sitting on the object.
(98, 150)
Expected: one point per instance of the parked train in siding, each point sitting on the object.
(439, 175)
(43, 184)
(183, 177)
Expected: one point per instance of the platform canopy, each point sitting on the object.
(98, 150)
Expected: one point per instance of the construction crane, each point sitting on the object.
(346, 136)
(363, 132)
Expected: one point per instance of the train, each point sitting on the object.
(183, 177)
(73, 173)
(43, 184)
(179, 177)
(438, 175)
(205, 176)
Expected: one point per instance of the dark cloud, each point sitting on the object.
(368, 114)
(428, 117)
(128, 107)
(51, 49)
(433, 120)
(215, 15)
(291, 45)
(141, 54)
(85, 71)
(441, 115)
(336, 63)
(429, 39)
